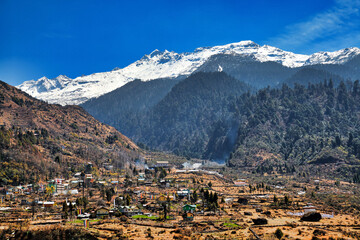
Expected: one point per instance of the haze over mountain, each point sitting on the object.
(241, 60)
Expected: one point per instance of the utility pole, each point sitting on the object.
(83, 184)
(33, 209)
(83, 188)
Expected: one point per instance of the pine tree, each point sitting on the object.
(65, 210)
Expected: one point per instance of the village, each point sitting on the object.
(172, 200)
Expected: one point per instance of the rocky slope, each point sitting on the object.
(40, 140)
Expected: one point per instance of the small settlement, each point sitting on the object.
(178, 201)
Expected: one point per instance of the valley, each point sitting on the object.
(239, 141)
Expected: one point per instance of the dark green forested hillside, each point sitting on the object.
(186, 118)
(291, 127)
(189, 118)
(307, 75)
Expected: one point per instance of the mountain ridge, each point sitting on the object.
(169, 64)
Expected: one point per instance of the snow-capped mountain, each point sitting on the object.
(337, 57)
(44, 84)
(165, 64)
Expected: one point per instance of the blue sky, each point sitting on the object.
(76, 37)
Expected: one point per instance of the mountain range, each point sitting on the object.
(247, 61)
(243, 104)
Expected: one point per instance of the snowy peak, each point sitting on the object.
(260, 53)
(44, 84)
(337, 57)
(158, 57)
(62, 81)
(169, 64)
(62, 78)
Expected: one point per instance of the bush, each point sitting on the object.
(311, 217)
(260, 221)
(318, 232)
(279, 234)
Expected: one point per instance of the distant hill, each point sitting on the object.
(40, 140)
(184, 118)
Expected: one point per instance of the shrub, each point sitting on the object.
(278, 233)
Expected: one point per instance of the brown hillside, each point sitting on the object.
(53, 140)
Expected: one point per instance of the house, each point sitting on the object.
(183, 192)
(59, 181)
(148, 183)
(130, 211)
(141, 181)
(48, 204)
(108, 167)
(73, 191)
(309, 208)
(151, 206)
(240, 184)
(18, 190)
(189, 208)
(83, 216)
(60, 188)
(188, 216)
(102, 182)
(164, 184)
(229, 200)
(28, 189)
(77, 175)
(186, 165)
(74, 183)
(134, 212)
(102, 212)
(163, 164)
